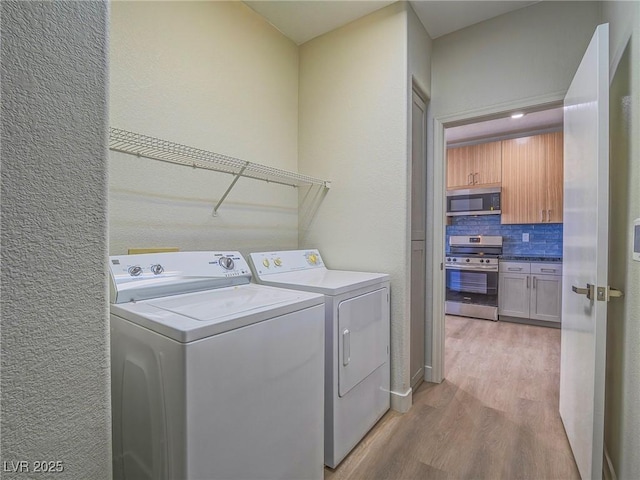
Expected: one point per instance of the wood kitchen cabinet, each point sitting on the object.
(474, 166)
(530, 291)
(532, 179)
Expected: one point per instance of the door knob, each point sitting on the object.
(584, 291)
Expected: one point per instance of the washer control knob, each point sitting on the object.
(448, 259)
(486, 261)
(481, 260)
(277, 262)
(226, 263)
(135, 271)
(312, 259)
(157, 269)
(467, 260)
(455, 259)
(265, 262)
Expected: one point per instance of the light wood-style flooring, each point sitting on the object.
(494, 417)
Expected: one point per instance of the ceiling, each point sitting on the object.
(302, 20)
(502, 127)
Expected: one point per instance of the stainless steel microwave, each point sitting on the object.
(473, 201)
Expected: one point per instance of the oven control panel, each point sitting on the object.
(468, 263)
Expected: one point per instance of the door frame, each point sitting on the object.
(440, 123)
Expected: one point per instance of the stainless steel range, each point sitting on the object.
(472, 276)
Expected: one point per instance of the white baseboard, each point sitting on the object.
(608, 472)
(401, 402)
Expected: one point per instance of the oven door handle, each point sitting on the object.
(470, 269)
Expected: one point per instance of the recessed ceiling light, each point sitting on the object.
(517, 115)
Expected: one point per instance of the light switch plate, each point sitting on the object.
(636, 239)
(525, 237)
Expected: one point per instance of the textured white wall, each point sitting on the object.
(353, 130)
(622, 424)
(55, 357)
(216, 76)
(523, 56)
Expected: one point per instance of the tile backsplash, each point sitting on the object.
(545, 240)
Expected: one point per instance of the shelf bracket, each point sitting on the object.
(233, 183)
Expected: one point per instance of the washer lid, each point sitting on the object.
(192, 316)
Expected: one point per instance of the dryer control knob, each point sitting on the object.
(265, 262)
(226, 263)
(312, 259)
(277, 262)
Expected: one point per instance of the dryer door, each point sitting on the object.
(363, 337)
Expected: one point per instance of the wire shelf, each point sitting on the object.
(154, 148)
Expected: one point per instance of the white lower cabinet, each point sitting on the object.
(530, 290)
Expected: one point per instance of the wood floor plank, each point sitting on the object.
(494, 417)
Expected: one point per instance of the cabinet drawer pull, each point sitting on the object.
(548, 270)
(534, 282)
(528, 281)
(475, 178)
(514, 269)
(470, 179)
(542, 216)
(548, 215)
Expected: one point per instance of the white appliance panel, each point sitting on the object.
(352, 296)
(224, 382)
(244, 404)
(269, 416)
(269, 263)
(363, 340)
(153, 275)
(295, 272)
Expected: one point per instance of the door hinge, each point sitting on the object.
(605, 294)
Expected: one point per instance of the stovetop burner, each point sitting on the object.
(475, 250)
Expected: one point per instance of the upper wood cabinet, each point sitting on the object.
(474, 166)
(532, 179)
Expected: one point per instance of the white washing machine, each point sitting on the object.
(357, 372)
(213, 377)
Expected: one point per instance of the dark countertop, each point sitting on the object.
(516, 258)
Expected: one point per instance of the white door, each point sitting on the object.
(585, 251)
(418, 240)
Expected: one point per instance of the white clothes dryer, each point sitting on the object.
(213, 377)
(357, 372)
